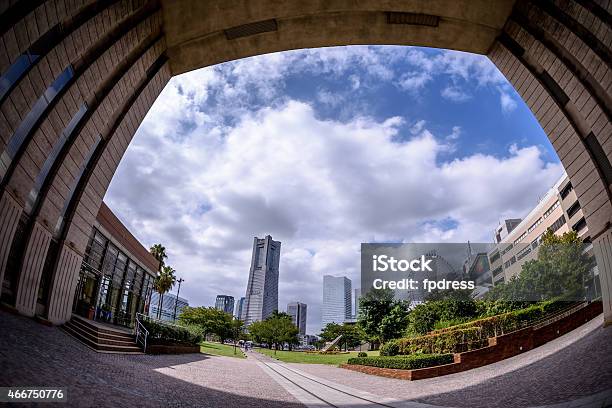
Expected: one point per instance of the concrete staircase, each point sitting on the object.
(101, 338)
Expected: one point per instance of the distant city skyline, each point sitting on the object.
(276, 144)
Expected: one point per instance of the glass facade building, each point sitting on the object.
(336, 299)
(261, 297)
(114, 283)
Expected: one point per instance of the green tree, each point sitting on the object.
(209, 320)
(394, 324)
(562, 270)
(276, 330)
(374, 306)
(164, 281)
(159, 252)
(352, 334)
(236, 331)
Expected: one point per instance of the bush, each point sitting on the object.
(511, 321)
(404, 362)
(160, 333)
(362, 354)
(455, 341)
(390, 348)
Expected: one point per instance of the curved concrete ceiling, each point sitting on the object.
(203, 33)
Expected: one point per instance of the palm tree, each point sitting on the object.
(164, 281)
(159, 252)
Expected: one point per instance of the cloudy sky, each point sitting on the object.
(324, 149)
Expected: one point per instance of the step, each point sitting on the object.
(94, 331)
(132, 349)
(102, 330)
(120, 341)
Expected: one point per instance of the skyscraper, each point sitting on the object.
(356, 296)
(261, 297)
(336, 299)
(298, 311)
(225, 303)
(239, 309)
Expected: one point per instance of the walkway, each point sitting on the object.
(572, 367)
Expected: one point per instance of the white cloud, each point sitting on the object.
(319, 186)
(455, 94)
(508, 104)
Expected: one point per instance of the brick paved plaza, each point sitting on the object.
(574, 366)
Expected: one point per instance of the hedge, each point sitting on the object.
(455, 341)
(472, 335)
(160, 333)
(508, 322)
(404, 362)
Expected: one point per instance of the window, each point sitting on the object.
(493, 258)
(580, 225)
(523, 253)
(558, 224)
(534, 225)
(506, 249)
(573, 209)
(497, 270)
(566, 190)
(40, 107)
(551, 209)
(519, 239)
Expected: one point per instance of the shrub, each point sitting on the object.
(404, 362)
(390, 348)
(511, 321)
(362, 354)
(454, 341)
(160, 333)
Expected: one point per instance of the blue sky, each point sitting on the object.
(325, 149)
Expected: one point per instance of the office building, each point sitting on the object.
(356, 296)
(559, 211)
(336, 299)
(169, 304)
(298, 312)
(225, 303)
(239, 309)
(116, 275)
(261, 297)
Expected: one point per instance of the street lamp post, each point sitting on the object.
(176, 299)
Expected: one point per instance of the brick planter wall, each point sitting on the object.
(165, 349)
(500, 348)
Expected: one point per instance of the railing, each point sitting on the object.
(141, 332)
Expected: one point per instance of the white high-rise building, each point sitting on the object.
(336, 299)
(298, 312)
(261, 297)
(240, 308)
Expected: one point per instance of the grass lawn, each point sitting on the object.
(311, 358)
(218, 349)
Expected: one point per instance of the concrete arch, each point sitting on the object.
(78, 78)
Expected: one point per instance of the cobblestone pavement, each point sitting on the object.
(574, 366)
(35, 355)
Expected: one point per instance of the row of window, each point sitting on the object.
(28, 124)
(523, 253)
(107, 259)
(551, 209)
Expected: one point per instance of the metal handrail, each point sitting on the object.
(141, 330)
